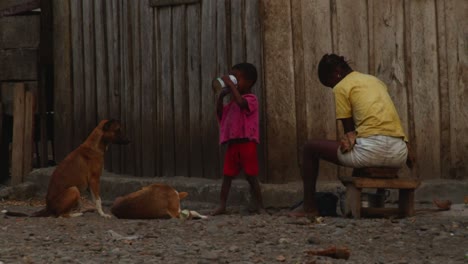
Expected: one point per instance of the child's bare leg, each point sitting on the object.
(225, 187)
(256, 192)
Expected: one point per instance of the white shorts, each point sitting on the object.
(375, 151)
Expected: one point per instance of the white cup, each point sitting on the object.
(218, 83)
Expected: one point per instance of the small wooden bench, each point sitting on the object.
(379, 178)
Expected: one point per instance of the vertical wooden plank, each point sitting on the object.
(45, 88)
(125, 85)
(424, 77)
(137, 95)
(444, 96)
(457, 62)
(280, 103)
(167, 86)
(409, 81)
(223, 41)
(78, 73)
(157, 122)
(101, 60)
(102, 96)
(63, 125)
(127, 92)
(237, 34)
(181, 109)
(123, 61)
(210, 136)
(113, 15)
(334, 25)
(17, 153)
(89, 68)
(352, 32)
(147, 92)
(298, 36)
(194, 89)
(387, 53)
(29, 106)
(253, 53)
(372, 19)
(315, 102)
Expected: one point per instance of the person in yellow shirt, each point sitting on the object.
(373, 135)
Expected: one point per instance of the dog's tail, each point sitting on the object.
(41, 213)
(15, 214)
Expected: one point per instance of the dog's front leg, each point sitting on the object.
(94, 187)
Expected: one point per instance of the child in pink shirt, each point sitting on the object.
(239, 129)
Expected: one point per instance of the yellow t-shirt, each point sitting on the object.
(365, 98)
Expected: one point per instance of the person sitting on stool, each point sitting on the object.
(373, 137)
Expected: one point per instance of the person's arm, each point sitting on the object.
(348, 124)
(220, 103)
(235, 93)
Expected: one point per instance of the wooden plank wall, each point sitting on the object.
(454, 109)
(64, 123)
(280, 101)
(152, 67)
(419, 48)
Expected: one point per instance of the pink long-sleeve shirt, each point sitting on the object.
(239, 123)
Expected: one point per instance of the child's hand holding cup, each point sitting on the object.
(219, 84)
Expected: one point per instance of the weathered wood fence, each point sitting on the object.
(418, 47)
(151, 66)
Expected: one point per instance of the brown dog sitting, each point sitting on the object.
(151, 202)
(81, 169)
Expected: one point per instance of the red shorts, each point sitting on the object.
(241, 156)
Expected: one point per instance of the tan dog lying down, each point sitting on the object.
(151, 202)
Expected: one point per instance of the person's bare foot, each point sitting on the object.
(219, 211)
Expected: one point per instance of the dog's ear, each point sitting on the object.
(182, 195)
(108, 124)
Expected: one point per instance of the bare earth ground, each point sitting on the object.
(238, 237)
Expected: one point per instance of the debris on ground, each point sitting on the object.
(434, 237)
(443, 205)
(332, 252)
(116, 236)
(189, 215)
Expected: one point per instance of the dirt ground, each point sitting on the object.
(238, 237)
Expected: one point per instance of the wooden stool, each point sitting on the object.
(379, 178)
(375, 172)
